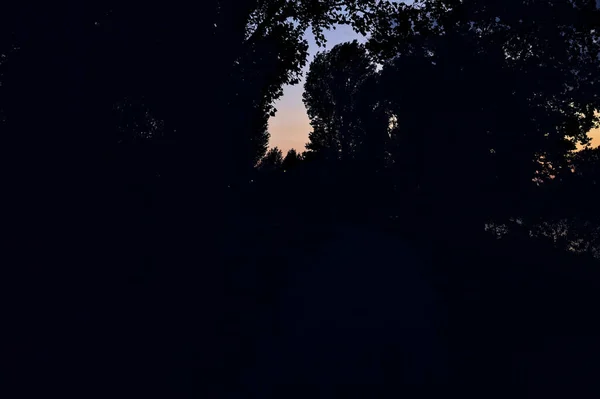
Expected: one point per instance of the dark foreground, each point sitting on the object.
(302, 310)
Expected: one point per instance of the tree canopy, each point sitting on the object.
(339, 105)
(480, 92)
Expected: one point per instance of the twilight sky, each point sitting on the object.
(290, 127)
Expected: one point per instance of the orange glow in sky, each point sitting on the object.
(595, 135)
(289, 129)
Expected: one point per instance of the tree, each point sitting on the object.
(291, 160)
(334, 95)
(272, 161)
(481, 91)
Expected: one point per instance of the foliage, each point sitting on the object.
(272, 161)
(341, 107)
(563, 217)
(292, 160)
(480, 91)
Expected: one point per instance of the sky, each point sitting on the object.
(290, 126)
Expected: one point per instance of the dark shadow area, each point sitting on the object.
(437, 236)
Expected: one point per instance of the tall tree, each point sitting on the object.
(335, 99)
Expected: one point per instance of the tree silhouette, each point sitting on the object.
(337, 105)
(479, 93)
(272, 161)
(292, 160)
